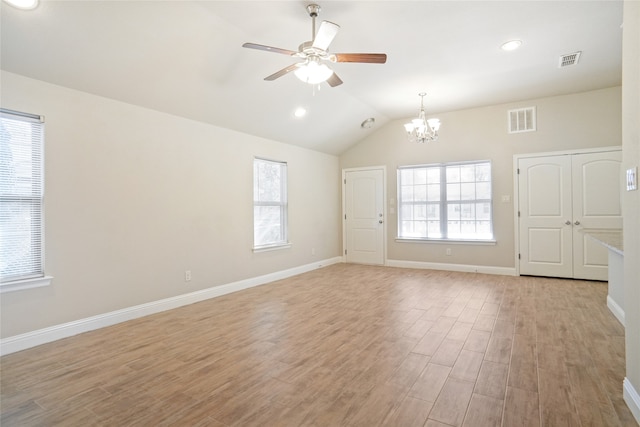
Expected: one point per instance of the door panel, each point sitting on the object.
(364, 226)
(545, 207)
(596, 205)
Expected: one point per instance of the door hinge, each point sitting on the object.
(518, 256)
(518, 171)
(345, 180)
(518, 214)
(345, 216)
(345, 251)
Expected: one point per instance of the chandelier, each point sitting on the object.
(421, 129)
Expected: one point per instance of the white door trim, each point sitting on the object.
(384, 204)
(516, 193)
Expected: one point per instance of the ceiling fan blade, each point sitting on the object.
(369, 58)
(334, 80)
(269, 48)
(326, 34)
(282, 72)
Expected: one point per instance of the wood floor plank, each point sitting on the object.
(447, 352)
(484, 411)
(451, 405)
(430, 382)
(412, 412)
(409, 370)
(523, 370)
(342, 345)
(477, 341)
(492, 379)
(521, 408)
(499, 349)
(467, 366)
(557, 403)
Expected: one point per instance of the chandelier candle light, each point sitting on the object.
(421, 129)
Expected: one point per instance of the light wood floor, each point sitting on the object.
(344, 345)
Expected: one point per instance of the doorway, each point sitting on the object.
(560, 198)
(364, 215)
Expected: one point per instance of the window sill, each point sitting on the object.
(490, 242)
(20, 285)
(269, 248)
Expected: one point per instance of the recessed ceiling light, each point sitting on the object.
(300, 112)
(511, 45)
(23, 4)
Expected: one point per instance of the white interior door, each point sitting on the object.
(596, 205)
(545, 222)
(364, 216)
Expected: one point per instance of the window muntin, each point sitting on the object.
(269, 203)
(21, 196)
(449, 201)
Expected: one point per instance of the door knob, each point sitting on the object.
(577, 223)
(567, 223)
(380, 221)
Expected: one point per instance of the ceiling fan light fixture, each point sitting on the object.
(23, 4)
(421, 129)
(313, 72)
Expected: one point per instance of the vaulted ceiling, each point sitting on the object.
(186, 58)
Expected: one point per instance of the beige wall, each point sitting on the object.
(631, 199)
(584, 120)
(135, 197)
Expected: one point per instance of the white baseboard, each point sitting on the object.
(504, 271)
(632, 398)
(31, 339)
(615, 309)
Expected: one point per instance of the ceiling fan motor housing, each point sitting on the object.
(313, 10)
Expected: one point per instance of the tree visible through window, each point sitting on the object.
(446, 201)
(269, 203)
(21, 196)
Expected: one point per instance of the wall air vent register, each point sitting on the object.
(522, 120)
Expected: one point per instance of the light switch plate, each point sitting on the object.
(632, 179)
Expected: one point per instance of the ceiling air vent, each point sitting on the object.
(569, 59)
(522, 120)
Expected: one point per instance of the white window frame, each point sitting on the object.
(440, 204)
(30, 272)
(282, 240)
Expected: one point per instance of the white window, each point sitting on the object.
(21, 199)
(449, 201)
(269, 204)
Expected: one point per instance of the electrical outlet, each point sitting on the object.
(448, 252)
(187, 275)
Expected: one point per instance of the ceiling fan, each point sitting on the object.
(312, 70)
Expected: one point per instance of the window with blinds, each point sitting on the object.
(269, 204)
(21, 196)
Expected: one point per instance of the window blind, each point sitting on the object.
(21, 196)
(269, 203)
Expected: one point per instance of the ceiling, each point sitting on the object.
(186, 58)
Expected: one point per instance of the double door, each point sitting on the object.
(560, 198)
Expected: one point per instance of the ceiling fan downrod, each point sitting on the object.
(313, 10)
